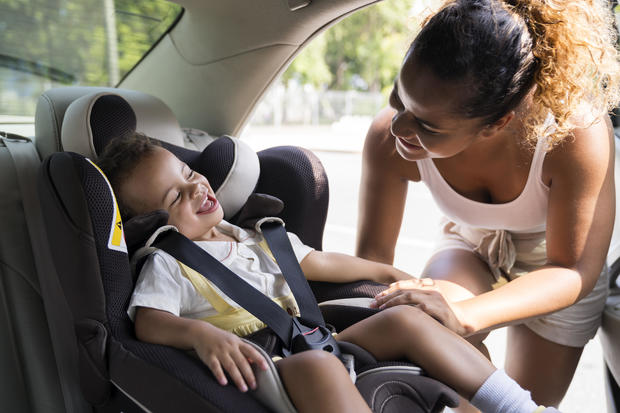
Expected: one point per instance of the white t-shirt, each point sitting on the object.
(162, 285)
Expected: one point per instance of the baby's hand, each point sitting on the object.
(221, 350)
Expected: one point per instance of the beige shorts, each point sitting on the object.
(510, 255)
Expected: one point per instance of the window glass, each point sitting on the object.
(49, 43)
(340, 80)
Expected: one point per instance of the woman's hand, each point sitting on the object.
(394, 275)
(426, 294)
(223, 351)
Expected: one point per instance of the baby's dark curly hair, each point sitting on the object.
(119, 159)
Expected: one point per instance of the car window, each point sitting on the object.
(49, 43)
(342, 78)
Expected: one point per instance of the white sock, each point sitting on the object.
(501, 394)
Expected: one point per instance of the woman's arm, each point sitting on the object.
(341, 268)
(383, 191)
(580, 221)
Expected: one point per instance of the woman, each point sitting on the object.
(501, 109)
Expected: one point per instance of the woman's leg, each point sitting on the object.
(316, 381)
(539, 365)
(405, 331)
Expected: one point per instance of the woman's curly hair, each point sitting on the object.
(502, 49)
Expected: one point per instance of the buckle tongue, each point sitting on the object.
(312, 338)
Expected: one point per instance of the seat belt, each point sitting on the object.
(296, 334)
(27, 163)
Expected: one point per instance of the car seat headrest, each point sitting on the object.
(232, 168)
(93, 120)
(153, 117)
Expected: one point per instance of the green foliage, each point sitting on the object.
(70, 35)
(310, 66)
(139, 25)
(46, 43)
(362, 52)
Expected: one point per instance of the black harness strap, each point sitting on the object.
(282, 250)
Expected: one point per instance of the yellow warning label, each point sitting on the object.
(116, 240)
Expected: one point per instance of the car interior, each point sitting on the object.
(68, 345)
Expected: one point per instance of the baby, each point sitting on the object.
(172, 305)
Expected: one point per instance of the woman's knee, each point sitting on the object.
(468, 274)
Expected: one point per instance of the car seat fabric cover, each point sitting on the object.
(88, 296)
(97, 285)
(154, 118)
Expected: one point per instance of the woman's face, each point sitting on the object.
(425, 124)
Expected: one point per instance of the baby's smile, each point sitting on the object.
(209, 204)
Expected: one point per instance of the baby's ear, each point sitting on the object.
(139, 228)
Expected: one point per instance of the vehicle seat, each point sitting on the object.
(68, 190)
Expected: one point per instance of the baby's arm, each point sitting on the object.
(335, 267)
(218, 349)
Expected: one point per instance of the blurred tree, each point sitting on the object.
(139, 25)
(363, 51)
(47, 43)
(369, 44)
(309, 67)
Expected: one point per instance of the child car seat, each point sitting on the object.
(115, 368)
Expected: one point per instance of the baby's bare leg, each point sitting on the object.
(316, 381)
(405, 331)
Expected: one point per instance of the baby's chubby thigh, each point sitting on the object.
(390, 333)
(316, 380)
(308, 360)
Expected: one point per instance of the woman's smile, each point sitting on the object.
(410, 145)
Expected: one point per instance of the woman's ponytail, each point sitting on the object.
(578, 73)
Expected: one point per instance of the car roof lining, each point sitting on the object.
(227, 62)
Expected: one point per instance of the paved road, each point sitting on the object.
(339, 150)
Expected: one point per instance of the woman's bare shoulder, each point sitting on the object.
(589, 149)
(380, 153)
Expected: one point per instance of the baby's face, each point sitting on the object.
(162, 181)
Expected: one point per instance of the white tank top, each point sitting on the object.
(526, 213)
